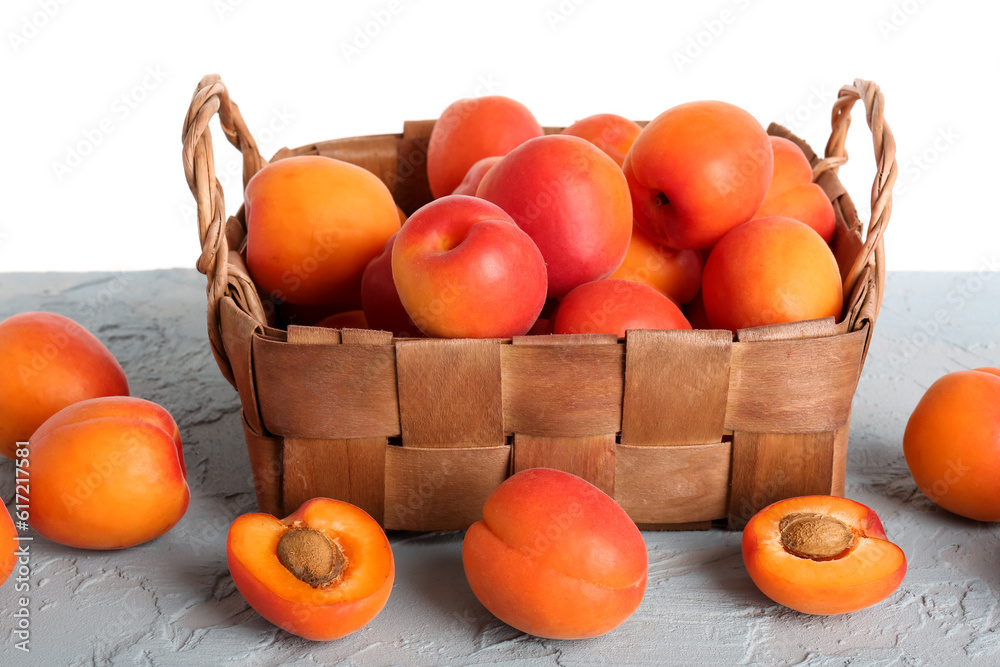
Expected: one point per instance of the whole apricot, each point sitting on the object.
(572, 200)
(321, 573)
(556, 557)
(313, 224)
(768, 271)
(674, 273)
(610, 132)
(696, 171)
(952, 443)
(471, 129)
(49, 362)
(8, 546)
(614, 306)
(107, 473)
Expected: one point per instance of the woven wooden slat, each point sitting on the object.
(267, 467)
(673, 484)
(440, 489)
(341, 391)
(793, 386)
(460, 407)
(768, 467)
(676, 387)
(563, 386)
(239, 331)
(591, 457)
(349, 470)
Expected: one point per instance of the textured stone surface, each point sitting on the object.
(172, 602)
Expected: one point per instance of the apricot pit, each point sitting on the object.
(815, 536)
(311, 556)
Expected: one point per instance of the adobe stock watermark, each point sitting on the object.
(900, 13)
(819, 99)
(223, 8)
(956, 299)
(423, 492)
(557, 14)
(121, 108)
(366, 33)
(707, 34)
(916, 166)
(33, 23)
(22, 571)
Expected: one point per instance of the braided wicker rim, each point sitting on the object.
(228, 278)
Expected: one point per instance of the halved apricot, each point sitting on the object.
(321, 573)
(821, 555)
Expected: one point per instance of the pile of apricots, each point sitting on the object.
(699, 219)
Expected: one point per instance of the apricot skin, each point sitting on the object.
(49, 362)
(472, 129)
(313, 224)
(107, 473)
(769, 271)
(555, 557)
(952, 443)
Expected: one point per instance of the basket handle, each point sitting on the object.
(872, 255)
(225, 276)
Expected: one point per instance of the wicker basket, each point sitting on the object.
(682, 428)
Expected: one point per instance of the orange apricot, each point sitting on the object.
(674, 273)
(313, 224)
(107, 473)
(821, 555)
(8, 546)
(610, 132)
(321, 573)
(952, 443)
(49, 362)
(556, 557)
(471, 129)
(768, 271)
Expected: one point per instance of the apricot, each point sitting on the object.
(463, 269)
(380, 301)
(821, 555)
(674, 273)
(321, 573)
(952, 443)
(474, 176)
(792, 193)
(615, 306)
(696, 171)
(313, 224)
(573, 202)
(555, 557)
(610, 132)
(107, 473)
(470, 130)
(768, 271)
(49, 362)
(349, 319)
(8, 546)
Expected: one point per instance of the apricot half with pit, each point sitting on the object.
(821, 555)
(322, 573)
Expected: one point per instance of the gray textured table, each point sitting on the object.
(172, 602)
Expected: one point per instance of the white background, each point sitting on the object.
(110, 81)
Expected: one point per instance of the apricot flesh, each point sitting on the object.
(346, 601)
